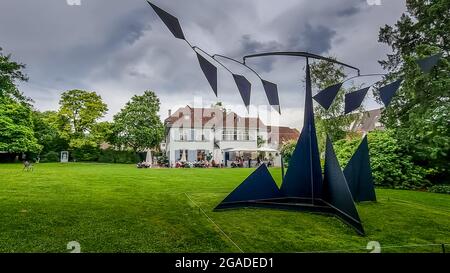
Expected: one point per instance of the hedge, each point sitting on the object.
(50, 157)
(440, 189)
(391, 166)
(96, 155)
(113, 156)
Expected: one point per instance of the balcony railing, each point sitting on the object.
(236, 140)
(191, 140)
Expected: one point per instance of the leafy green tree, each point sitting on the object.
(16, 124)
(16, 128)
(138, 125)
(419, 113)
(287, 149)
(10, 73)
(47, 130)
(332, 121)
(103, 132)
(81, 109)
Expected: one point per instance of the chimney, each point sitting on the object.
(170, 112)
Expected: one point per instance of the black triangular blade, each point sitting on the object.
(271, 90)
(244, 87)
(426, 64)
(304, 175)
(259, 185)
(170, 21)
(359, 174)
(354, 100)
(387, 92)
(337, 192)
(210, 72)
(326, 97)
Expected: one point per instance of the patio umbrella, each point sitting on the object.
(148, 158)
(183, 156)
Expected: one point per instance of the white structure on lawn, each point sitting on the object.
(64, 156)
(196, 134)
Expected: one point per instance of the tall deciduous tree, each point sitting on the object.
(47, 130)
(419, 113)
(138, 125)
(80, 111)
(16, 128)
(10, 73)
(16, 125)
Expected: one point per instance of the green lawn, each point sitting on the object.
(118, 208)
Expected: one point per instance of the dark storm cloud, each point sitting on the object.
(250, 45)
(315, 39)
(304, 27)
(120, 48)
(348, 11)
(64, 43)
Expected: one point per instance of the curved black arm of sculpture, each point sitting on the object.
(299, 54)
(324, 98)
(195, 48)
(236, 61)
(364, 75)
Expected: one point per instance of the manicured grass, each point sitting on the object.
(118, 208)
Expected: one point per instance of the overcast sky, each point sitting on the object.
(119, 48)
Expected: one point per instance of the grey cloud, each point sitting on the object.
(250, 45)
(315, 39)
(304, 27)
(348, 11)
(119, 48)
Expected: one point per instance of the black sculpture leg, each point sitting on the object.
(358, 174)
(304, 175)
(259, 185)
(336, 191)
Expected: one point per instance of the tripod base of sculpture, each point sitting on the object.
(259, 190)
(295, 204)
(303, 188)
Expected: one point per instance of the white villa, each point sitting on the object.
(194, 134)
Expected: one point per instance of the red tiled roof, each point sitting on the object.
(284, 133)
(209, 117)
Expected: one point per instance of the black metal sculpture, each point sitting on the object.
(303, 186)
(336, 192)
(326, 97)
(359, 174)
(354, 100)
